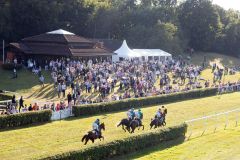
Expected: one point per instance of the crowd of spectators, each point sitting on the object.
(122, 80)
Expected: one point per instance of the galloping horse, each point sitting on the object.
(125, 123)
(92, 135)
(134, 124)
(157, 122)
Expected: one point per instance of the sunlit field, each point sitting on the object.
(219, 146)
(59, 136)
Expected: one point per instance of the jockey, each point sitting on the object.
(132, 114)
(129, 114)
(164, 114)
(139, 116)
(96, 127)
(159, 114)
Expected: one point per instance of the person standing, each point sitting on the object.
(74, 96)
(21, 103)
(69, 98)
(14, 73)
(63, 89)
(41, 79)
(59, 89)
(14, 101)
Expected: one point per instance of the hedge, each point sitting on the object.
(124, 146)
(5, 97)
(90, 109)
(21, 119)
(11, 66)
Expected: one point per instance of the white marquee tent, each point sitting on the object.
(124, 52)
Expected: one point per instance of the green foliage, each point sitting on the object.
(126, 145)
(5, 97)
(11, 66)
(144, 23)
(200, 23)
(98, 108)
(21, 119)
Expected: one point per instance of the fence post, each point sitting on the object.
(237, 118)
(205, 126)
(226, 123)
(216, 124)
(190, 132)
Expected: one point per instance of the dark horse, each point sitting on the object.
(92, 134)
(125, 123)
(157, 122)
(134, 124)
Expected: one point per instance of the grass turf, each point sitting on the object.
(61, 136)
(219, 146)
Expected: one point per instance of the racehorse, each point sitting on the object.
(134, 124)
(157, 122)
(92, 135)
(125, 123)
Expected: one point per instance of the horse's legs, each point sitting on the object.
(86, 141)
(133, 128)
(101, 137)
(123, 128)
(143, 127)
(92, 140)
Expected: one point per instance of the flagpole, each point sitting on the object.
(3, 52)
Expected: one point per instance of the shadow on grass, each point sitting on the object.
(147, 151)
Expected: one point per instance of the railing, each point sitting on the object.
(62, 114)
(212, 123)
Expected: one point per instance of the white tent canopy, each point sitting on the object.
(124, 52)
(144, 54)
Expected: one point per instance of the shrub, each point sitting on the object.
(91, 109)
(5, 97)
(124, 146)
(21, 119)
(11, 66)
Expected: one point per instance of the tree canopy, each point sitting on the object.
(171, 25)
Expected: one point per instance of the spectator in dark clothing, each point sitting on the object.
(30, 108)
(74, 98)
(14, 101)
(69, 97)
(21, 103)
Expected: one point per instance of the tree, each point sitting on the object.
(200, 23)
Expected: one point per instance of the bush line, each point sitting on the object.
(4, 97)
(124, 146)
(21, 119)
(91, 109)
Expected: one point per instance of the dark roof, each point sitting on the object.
(111, 44)
(58, 38)
(61, 45)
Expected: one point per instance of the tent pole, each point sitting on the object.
(3, 51)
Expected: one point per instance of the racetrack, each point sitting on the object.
(61, 136)
(219, 146)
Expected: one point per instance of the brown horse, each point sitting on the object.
(125, 123)
(134, 124)
(157, 123)
(92, 135)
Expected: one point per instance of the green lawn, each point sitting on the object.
(223, 145)
(65, 135)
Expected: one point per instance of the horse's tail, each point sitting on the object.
(119, 124)
(84, 137)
